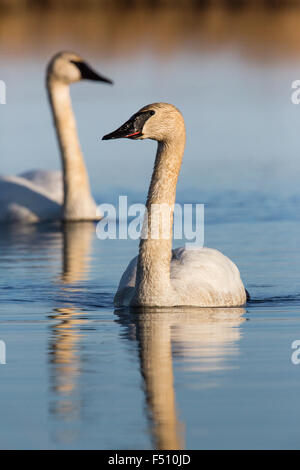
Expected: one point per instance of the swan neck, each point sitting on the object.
(75, 176)
(153, 284)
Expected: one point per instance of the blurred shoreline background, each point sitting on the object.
(227, 65)
(263, 29)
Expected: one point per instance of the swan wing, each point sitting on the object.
(202, 277)
(23, 201)
(49, 181)
(126, 285)
(206, 277)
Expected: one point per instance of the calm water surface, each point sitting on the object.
(81, 375)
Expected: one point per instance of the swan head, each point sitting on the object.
(157, 121)
(67, 68)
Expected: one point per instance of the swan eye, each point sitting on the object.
(140, 118)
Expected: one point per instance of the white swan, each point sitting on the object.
(38, 196)
(160, 277)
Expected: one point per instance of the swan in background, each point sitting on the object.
(160, 277)
(38, 196)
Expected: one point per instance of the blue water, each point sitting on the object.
(79, 374)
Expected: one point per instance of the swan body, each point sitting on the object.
(50, 181)
(199, 278)
(38, 196)
(160, 276)
(25, 201)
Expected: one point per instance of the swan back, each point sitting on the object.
(50, 181)
(23, 201)
(206, 277)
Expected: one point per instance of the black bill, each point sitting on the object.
(88, 73)
(131, 129)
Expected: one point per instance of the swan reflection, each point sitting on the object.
(66, 332)
(77, 240)
(201, 339)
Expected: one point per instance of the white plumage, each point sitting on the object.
(199, 278)
(38, 196)
(160, 276)
(49, 181)
(31, 197)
